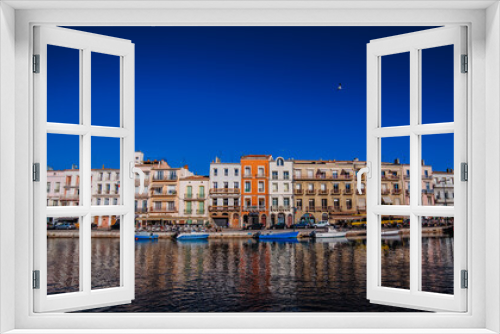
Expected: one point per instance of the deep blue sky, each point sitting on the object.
(203, 92)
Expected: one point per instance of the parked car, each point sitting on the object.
(258, 226)
(323, 223)
(51, 226)
(301, 224)
(279, 225)
(64, 226)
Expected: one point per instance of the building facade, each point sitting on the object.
(225, 192)
(141, 200)
(326, 191)
(255, 186)
(281, 191)
(163, 202)
(427, 184)
(193, 200)
(444, 188)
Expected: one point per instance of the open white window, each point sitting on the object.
(72, 203)
(418, 212)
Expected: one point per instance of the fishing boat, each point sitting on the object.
(331, 233)
(192, 236)
(145, 236)
(278, 235)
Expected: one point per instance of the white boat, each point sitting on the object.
(192, 236)
(390, 232)
(331, 233)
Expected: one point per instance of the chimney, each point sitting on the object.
(186, 167)
(423, 162)
(356, 159)
(396, 161)
(217, 160)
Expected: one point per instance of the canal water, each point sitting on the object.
(246, 275)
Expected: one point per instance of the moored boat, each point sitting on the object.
(278, 235)
(331, 233)
(192, 236)
(145, 236)
(390, 232)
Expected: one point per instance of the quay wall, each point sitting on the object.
(426, 231)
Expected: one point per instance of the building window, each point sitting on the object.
(98, 201)
(286, 187)
(236, 185)
(157, 205)
(247, 186)
(299, 204)
(58, 187)
(115, 201)
(226, 172)
(261, 171)
(298, 173)
(248, 171)
(323, 186)
(48, 187)
(261, 186)
(275, 202)
(106, 201)
(310, 173)
(215, 185)
(236, 172)
(286, 202)
(280, 162)
(275, 175)
(170, 206)
(310, 186)
(286, 175)
(275, 187)
(215, 171)
(226, 185)
(348, 204)
(335, 174)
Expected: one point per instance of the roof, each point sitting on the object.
(195, 178)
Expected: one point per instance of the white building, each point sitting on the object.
(193, 199)
(105, 190)
(281, 191)
(444, 193)
(56, 180)
(225, 188)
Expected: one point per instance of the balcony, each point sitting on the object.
(165, 210)
(234, 191)
(70, 197)
(260, 176)
(335, 191)
(361, 209)
(397, 191)
(363, 192)
(281, 208)
(200, 196)
(200, 212)
(427, 191)
(188, 211)
(311, 191)
(407, 177)
(298, 191)
(335, 208)
(342, 177)
(165, 178)
(347, 191)
(323, 192)
(188, 196)
(141, 210)
(259, 208)
(224, 208)
(162, 194)
(426, 177)
(385, 192)
(390, 177)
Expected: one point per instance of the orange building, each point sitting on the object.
(254, 189)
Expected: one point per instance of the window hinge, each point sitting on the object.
(464, 171)
(465, 64)
(36, 63)
(36, 172)
(465, 279)
(36, 279)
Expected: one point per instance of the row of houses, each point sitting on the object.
(257, 189)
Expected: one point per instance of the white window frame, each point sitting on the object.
(483, 102)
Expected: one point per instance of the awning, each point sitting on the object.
(386, 200)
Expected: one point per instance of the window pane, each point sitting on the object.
(395, 252)
(105, 90)
(63, 255)
(63, 85)
(394, 169)
(106, 174)
(437, 170)
(396, 89)
(437, 85)
(105, 252)
(63, 175)
(437, 254)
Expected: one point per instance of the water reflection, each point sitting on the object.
(245, 275)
